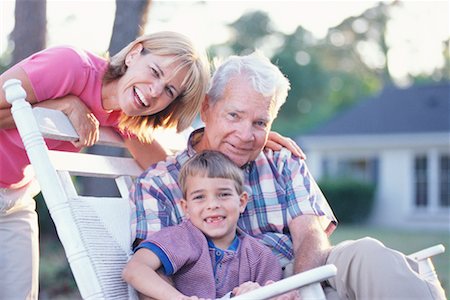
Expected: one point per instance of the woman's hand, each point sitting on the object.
(82, 119)
(276, 141)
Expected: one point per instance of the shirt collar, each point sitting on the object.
(233, 247)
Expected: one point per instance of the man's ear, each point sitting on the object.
(204, 108)
(243, 201)
(184, 207)
(133, 53)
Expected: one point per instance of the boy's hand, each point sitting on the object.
(245, 288)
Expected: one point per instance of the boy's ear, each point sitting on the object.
(133, 53)
(243, 201)
(183, 203)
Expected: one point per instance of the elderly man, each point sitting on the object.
(286, 210)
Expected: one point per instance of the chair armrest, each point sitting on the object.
(54, 124)
(428, 252)
(314, 276)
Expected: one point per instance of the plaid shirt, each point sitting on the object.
(279, 185)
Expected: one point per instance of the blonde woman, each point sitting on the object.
(157, 80)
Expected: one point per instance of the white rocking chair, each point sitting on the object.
(95, 231)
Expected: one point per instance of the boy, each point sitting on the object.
(206, 255)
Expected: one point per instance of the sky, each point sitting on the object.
(415, 33)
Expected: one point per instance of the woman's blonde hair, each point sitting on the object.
(182, 111)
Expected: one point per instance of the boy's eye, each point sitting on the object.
(197, 197)
(225, 194)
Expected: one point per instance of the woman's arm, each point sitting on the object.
(140, 272)
(146, 154)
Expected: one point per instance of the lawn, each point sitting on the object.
(57, 281)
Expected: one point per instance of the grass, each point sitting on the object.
(57, 281)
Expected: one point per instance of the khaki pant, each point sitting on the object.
(366, 269)
(19, 248)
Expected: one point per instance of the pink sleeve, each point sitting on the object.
(56, 72)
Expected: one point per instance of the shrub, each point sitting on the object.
(350, 199)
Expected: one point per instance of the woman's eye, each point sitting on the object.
(155, 72)
(170, 92)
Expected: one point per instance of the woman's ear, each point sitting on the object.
(133, 53)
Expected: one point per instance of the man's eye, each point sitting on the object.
(233, 115)
(261, 124)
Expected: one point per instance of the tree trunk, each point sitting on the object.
(129, 23)
(29, 33)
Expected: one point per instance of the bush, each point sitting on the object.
(350, 199)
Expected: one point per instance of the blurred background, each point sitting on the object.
(369, 100)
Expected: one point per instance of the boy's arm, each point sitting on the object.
(140, 272)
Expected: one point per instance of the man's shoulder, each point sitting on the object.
(169, 167)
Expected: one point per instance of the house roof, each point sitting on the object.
(418, 109)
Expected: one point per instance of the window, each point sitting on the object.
(363, 169)
(421, 182)
(444, 180)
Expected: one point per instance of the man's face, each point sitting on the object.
(238, 124)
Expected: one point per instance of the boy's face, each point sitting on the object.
(213, 206)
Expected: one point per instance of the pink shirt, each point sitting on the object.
(54, 73)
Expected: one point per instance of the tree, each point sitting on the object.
(129, 22)
(29, 33)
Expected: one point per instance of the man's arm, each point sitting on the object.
(310, 243)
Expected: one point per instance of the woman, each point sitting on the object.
(157, 80)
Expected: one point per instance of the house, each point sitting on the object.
(399, 140)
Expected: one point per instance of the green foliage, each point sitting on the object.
(326, 75)
(350, 199)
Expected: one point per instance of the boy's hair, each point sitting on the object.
(211, 164)
(182, 111)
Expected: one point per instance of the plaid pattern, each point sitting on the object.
(280, 188)
(193, 271)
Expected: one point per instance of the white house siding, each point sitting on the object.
(395, 195)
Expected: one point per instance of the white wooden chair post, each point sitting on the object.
(423, 258)
(61, 196)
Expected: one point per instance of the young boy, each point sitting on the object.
(206, 255)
